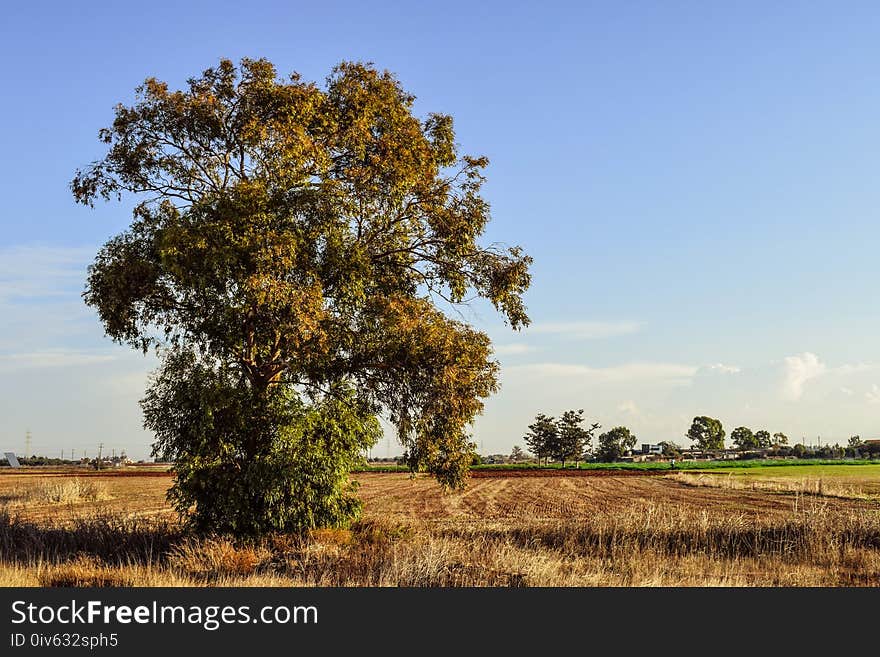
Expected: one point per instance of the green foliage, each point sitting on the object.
(763, 438)
(706, 433)
(780, 438)
(743, 438)
(299, 240)
(562, 439)
(723, 465)
(542, 436)
(670, 449)
(250, 461)
(572, 440)
(615, 443)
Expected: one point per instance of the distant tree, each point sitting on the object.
(707, 433)
(516, 454)
(855, 442)
(572, 440)
(542, 436)
(615, 443)
(763, 438)
(780, 438)
(670, 449)
(743, 438)
(799, 450)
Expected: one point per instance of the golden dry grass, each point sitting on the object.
(54, 491)
(838, 487)
(560, 531)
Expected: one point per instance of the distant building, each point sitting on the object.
(648, 448)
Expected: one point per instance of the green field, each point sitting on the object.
(824, 469)
(812, 468)
(828, 479)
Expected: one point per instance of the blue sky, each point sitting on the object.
(697, 183)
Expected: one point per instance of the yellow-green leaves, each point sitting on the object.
(299, 236)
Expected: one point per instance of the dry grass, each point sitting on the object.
(57, 491)
(819, 486)
(216, 558)
(649, 531)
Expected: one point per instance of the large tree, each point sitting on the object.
(707, 433)
(289, 253)
(763, 438)
(743, 438)
(615, 443)
(542, 436)
(573, 440)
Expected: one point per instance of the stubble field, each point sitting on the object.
(610, 529)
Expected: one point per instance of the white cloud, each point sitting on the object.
(29, 272)
(629, 407)
(847, 391)
(51, 358)
(873, 395)
(721, 368)
(628, 372)
(798, 371)
(585, 330)
(512, 349)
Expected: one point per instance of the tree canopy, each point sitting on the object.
(780, 438)
(573, 440)
(288, 257)
(542, 436)
(743, 438)
(763, 438)
(707, 433)
(562, 439)
(615, 443)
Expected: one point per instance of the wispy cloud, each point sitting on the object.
(51, 358)
(40, 299)
(512, 349)
(629, 407)
(628, 372)
(873, 395)
(33, 272)
(798, 371)
(585, 330)
(721, 368)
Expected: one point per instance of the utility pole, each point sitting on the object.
(98, 462)
(27, 443)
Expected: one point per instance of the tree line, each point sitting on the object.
(565, 439)
(707, 433)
